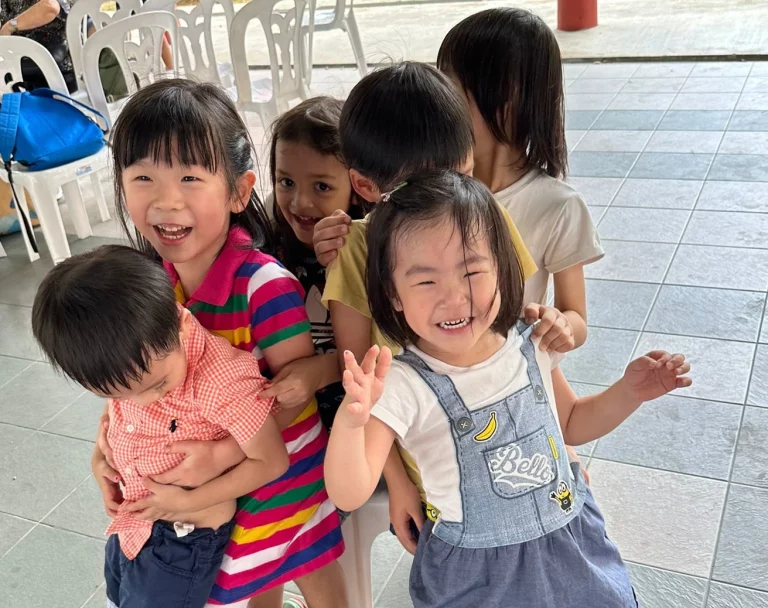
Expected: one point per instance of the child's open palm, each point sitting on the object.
(655, 374)
(364, 384)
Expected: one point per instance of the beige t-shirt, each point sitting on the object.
(556, 227)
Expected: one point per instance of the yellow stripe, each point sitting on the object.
(242, 536)
(308, 411)
(241, 335)
(179, 291)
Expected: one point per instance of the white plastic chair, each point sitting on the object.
(360, 530)
(198, 56)
(141, 59)
(341, 17)
(43, 185)
(269, 97)
(77, 27)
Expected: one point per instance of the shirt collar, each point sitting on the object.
(219, 282)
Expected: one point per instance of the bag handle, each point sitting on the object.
(9, 124)
(51, 94)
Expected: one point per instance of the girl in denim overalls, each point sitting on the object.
(485, 413)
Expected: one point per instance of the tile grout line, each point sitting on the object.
(746, 396)
(389, 578)
(90, 597)
(600, 112)
(687, 285)
(39, 522)
(674, 335)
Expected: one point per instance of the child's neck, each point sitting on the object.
(498, 165)
(487, 346)
(192, 273)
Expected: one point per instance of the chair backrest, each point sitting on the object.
(13, 49)
(77, 28)
(283, 31)
(138, 61)
(198, 55)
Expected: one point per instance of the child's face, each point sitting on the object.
(432, 277)
(182, 211)
(309, 186)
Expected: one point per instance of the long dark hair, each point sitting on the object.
(190, 123)
(424, 201)
(314, 123)
(403, 119)
(509, 61)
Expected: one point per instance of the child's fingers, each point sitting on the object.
(675, 361)
(531, 313)
(384, 363)
(369, 361)
(683, 381)
(327, 246)
(351, 363)
(327, 258)
(683, 369)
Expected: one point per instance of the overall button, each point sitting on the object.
(538, 391)
(463, 424)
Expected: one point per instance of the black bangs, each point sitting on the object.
(169, 128)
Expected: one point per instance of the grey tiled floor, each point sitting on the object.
(673, 161)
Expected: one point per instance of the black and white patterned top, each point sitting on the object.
(53, 35)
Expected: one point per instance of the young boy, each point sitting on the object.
(109, 320)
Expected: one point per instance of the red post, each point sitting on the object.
(573, 15)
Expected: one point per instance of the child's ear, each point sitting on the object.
(185, 322)
(245, 184)
(364, 187)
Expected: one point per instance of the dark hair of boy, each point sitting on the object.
(182, 121)
(314, 123)
(523, 102)
(102, 316)
(403, 119)
(424, 201)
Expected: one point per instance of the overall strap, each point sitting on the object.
(9, 124)
(528, 349)
(51, 94)
(445, 391)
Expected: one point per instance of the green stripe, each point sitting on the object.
(247, 503)
(284, 334)
(235, 303)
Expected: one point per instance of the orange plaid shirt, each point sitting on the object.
(219, 397)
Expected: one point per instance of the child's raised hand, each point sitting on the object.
(363, 384)
(655, 374)
(328, 236)
(554, 328)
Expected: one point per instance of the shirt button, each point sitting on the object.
(128, 471)
(129, 428)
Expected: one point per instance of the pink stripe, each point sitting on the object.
(278, 322)
(297, 430)
(313, 447)
(310, 537)
(266, 493)
(271, 516)
(236, 551)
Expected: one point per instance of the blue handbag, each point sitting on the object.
(43, 129)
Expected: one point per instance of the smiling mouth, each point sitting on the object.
(457, 324)
(305, 221)
(172, 232)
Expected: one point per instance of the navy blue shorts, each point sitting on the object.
(169, 571)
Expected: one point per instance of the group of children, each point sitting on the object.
(215, 464)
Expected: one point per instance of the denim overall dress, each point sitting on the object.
(531, 534)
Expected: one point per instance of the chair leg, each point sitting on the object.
(357, 46)
(21, 206)
(77, 210)
(2, 252)
(99, 192)
(50, 221)
(354, 560)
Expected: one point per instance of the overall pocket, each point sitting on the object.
(522, 466)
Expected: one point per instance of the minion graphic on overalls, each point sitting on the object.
(563, 497)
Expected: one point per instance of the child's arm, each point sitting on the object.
(646, 378)
(571, 300)
(359, 444)
(266, 460)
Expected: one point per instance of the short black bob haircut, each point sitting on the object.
(509, 61)
(424, 201)
(102, 316)
(404, 119)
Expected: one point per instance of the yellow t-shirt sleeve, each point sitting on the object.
(345, 276)
(526, 261)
